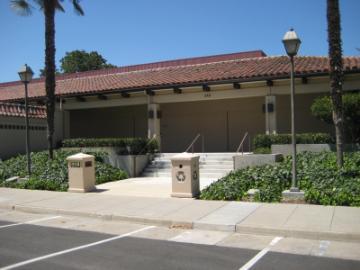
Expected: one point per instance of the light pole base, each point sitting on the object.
(293, 194)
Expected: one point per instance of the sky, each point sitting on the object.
(127, 32)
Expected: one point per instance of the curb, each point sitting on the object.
(325, 235)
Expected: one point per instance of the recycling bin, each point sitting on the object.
(185, 175)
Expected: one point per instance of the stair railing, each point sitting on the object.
(241, 145)
(191, 146)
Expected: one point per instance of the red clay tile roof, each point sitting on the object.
(242, 70)
(18, 110)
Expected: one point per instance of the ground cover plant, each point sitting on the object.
(318, 176)
(50, 174)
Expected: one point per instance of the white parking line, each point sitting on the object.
(29, 222)
(261, 254)
(51, 255)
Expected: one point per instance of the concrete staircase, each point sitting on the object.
(212, 165)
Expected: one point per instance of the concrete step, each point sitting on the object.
(212, 165)
(168, 174)
(213, 170)
(204, 166)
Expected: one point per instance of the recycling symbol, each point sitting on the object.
(180, 176)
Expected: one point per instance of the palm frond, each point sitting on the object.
(59, 6)
(40, 3)
(78, 9)
(21, 7)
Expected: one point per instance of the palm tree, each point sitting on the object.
(336, 74)
(48, 7)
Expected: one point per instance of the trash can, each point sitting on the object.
(81, 172)
(185, 175)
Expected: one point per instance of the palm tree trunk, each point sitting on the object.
(336, 73)
(49, 12)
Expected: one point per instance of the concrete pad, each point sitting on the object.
(295, 246)
(201, 237)
(269, 216)
(153, 187)
(195, 210)
(344, 250)
(68, 222)
(225, 218)
(19, 217)
(248, 241)
(159, 233)
(108, 227)
(346, 220)
(310, 218)
(321, 248)
(139, 187)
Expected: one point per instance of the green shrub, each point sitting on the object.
(266, 140)
(318, 176)
(322, 109)
(262, 150)
(127, 146)
(53, 174)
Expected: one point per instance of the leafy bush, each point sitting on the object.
(322, 109)
(318, 176)
(128, 146)
(266, 140)
(53, 174)
(262, 150)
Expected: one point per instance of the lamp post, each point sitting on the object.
(26, 74)
(292, 44)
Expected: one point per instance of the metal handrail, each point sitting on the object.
(241, 145)
(138, 154)
(194, 141)
(146, 145)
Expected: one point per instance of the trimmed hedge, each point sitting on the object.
(318, 176)
(53, 174)
(128, 146)
(266, 140)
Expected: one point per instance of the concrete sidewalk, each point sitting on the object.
(295, 220)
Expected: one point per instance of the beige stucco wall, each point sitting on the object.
(128, 121)
(304, 121)
(12, 140)
(222, 122)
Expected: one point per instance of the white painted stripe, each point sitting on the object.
(261, 254)
(29, 222)
(51, 255)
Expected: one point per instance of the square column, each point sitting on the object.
(270, 115)
(154, 115)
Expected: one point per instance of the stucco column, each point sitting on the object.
(270, 114)
(154, 116)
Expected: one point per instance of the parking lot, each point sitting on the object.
(30, 241)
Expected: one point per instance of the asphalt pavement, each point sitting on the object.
(29, 246)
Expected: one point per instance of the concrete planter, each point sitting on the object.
(132, 164)
(252, 160)
(285, 149)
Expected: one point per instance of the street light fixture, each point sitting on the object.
(292, 44)
(26, 74)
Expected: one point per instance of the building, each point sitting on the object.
(12, 129)
(220, 97)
